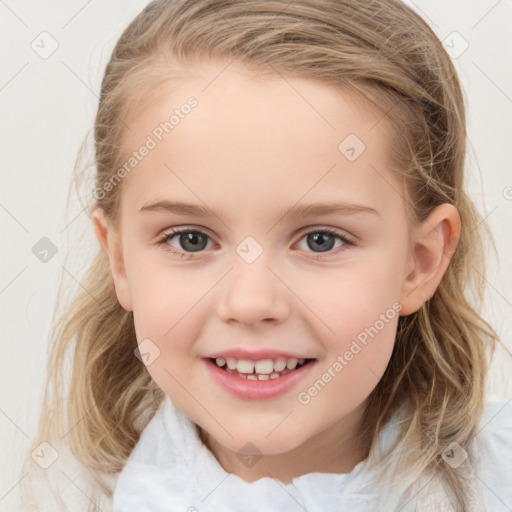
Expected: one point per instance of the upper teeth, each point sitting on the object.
(263, 366)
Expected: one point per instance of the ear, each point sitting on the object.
(110, 241)
(435, 239)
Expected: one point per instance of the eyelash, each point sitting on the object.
(163, 241)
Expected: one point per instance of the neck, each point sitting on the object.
(337, 449)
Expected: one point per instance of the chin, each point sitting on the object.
(257, 443)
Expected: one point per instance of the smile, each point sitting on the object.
(260, 379)
(262, 369)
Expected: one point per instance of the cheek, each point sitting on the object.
(162, 295)
(167, 314)
(173, 324)
(358, 310)
(355, 362)
(347, 300)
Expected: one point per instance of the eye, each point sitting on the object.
(324, 239)
(191, 240)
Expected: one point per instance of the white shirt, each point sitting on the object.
(171, 470)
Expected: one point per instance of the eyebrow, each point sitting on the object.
(296, 211)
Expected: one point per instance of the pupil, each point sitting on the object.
(323, 241)
(192, 239)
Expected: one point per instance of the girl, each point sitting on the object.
(278, 315)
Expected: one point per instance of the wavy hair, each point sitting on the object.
(387, 54)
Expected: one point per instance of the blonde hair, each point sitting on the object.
(386, 53)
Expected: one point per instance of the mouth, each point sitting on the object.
(261, 379)
(263, 369)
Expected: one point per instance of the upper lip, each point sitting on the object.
(255, 355)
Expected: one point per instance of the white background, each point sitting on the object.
(48, 106)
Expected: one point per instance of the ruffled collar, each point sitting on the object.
(170, 466)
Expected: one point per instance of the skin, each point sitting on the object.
(251, 149)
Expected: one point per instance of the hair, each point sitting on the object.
(387, 55)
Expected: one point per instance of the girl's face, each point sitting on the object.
(294, 246)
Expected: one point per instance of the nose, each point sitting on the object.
(253, 295)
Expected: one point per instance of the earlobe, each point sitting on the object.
(436, 239)
(110, 241)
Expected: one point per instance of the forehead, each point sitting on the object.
(249, 137)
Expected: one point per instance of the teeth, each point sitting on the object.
(280, 364)
(265, 366)
(245, 366)
(231, 362)
(263, 369)
(291, 363)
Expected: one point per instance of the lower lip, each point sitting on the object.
(257, 389)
